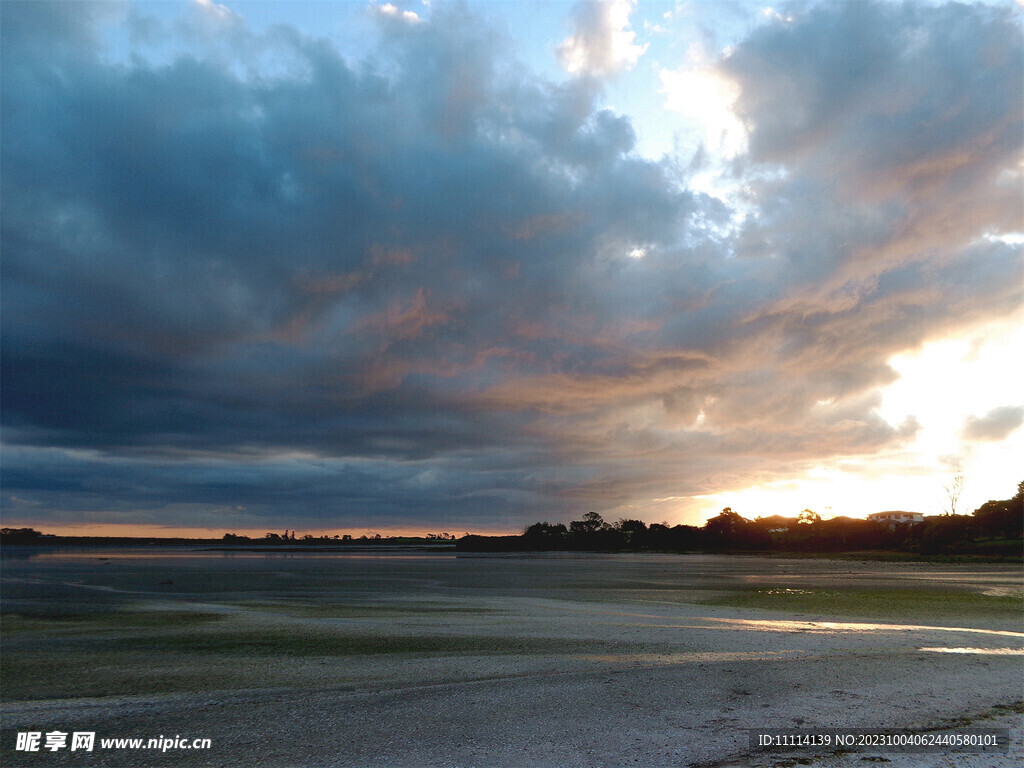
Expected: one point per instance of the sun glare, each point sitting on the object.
(705, 98)
(941, 385)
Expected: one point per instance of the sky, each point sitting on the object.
(424, 266)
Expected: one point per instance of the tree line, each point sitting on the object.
(994, 529)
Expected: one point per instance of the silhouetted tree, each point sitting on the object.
(1002, 518)
(659, 536)
(724, 528)
(683, 538)
(545, 529)
(955, 487)
(20, 536)
(632, 532)
(944, 534)
(546, 536)
(591, 523)
(847, 533)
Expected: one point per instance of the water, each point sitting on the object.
(410, 657)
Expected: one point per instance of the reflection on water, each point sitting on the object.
(769, 625)
(1001, 591)
(980, 651)
(824, 627)
(348, 552)
(692, 657)
(698, 657)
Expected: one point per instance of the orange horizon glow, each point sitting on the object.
(181, 532)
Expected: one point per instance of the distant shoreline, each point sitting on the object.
(222, 544)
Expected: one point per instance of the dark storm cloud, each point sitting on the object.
(254, 491)
(242, 271)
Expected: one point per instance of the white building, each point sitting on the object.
(897, 517)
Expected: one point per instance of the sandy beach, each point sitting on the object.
(410, 659)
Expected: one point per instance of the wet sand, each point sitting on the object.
(545, 660)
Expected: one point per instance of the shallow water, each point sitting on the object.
(522, 660)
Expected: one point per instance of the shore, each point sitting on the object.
(437, 660)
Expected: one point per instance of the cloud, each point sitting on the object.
(216, 10)
(602, 41)
(257, 273)
(389, 9)
(882, 146)
(995, 425)
(906, 113)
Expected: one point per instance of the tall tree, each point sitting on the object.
(955, 487)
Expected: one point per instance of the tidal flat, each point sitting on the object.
(410, 658)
